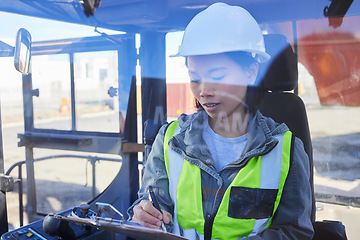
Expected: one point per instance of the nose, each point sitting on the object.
(207, 89)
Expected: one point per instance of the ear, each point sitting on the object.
(252, 73)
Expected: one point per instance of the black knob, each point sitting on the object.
(55, 226)
(84, 208)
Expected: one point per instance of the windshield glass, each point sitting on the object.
(328, 53)
(329, 74)
(85, 88)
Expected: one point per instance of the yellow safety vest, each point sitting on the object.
(259, 183)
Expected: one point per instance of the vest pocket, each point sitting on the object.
(251, 203)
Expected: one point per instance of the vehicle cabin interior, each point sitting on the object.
(147, 23)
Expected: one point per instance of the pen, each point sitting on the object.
(156, 204)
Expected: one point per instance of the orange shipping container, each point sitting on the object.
(179, 99)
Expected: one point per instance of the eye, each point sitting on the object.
(218, 75)
(195, 80)
(218, 78)
(194, 77)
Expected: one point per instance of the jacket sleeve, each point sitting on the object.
(292, 219)
(155, 175)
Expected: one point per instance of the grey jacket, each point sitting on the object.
(292, 219)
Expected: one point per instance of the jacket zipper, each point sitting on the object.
(209, 220)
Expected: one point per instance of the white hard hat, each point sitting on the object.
(223, 28)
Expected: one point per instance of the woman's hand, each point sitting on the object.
(148, 216)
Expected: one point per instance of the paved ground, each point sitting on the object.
(64, 182)
(335, 135)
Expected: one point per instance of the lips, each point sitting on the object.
(210, 106)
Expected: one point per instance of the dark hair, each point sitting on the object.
(254, 93)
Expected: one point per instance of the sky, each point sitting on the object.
(43, 29)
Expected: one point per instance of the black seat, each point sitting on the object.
(279, 77)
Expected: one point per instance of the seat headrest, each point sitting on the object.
(280, 73)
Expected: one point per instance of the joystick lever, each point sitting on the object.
(56, 226)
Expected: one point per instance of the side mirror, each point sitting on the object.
(22, 53)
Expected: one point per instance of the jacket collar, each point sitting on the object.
(260, 137)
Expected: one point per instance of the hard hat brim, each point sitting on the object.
(260, 56)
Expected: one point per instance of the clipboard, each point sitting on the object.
(127, 228)
(107, 218)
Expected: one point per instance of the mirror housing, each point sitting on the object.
(22, 54)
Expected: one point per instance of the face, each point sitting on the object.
(220, 84)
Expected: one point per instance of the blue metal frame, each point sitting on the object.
(74, 140)
(3, 209)
(164, 15)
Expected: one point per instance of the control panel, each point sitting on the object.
(35, 230)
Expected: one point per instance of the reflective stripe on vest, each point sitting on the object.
(261, 174)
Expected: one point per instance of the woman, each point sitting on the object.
(225, 172)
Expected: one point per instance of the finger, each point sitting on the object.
(148, 225)
(146, 221)
(144, 218)
(149, 207)
(145, 224)
(166, 216)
